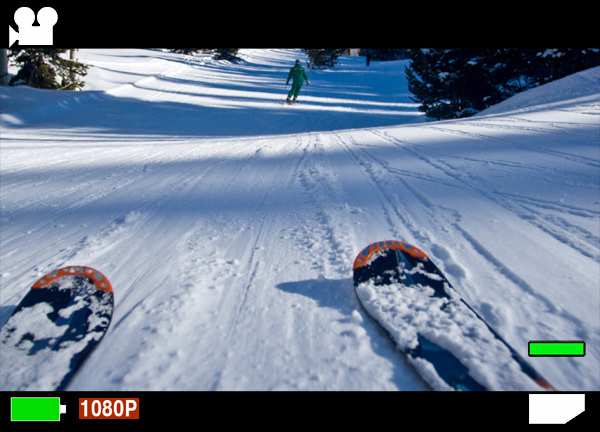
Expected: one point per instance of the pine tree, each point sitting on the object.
(47, 68)
(448, 82)
(218, 53)
(549, 64)
(321, 58)
(226, 54)
(459, 82)
(383, 54)
(188, 51)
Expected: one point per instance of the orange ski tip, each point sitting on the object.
(365, 256)
(100, 281)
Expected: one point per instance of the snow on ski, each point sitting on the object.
(443, 337)
(54, 329)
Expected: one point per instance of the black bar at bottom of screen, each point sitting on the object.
(129, 410)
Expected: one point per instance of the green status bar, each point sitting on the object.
(556, 348)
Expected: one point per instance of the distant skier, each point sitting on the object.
(368, 59)
(298, 76)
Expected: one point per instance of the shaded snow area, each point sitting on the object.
(227, 221)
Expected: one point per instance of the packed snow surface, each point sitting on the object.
(227, 221)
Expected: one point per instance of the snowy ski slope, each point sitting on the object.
(228, 222)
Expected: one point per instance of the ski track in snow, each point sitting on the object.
(228, 223)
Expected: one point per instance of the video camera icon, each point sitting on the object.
(29, 34)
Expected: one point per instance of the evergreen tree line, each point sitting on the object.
(54, 68)
(459, 82)
(448, 83)
(320, 58)
(384, 54)
(218, 53)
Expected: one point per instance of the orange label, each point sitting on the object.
(109, 409)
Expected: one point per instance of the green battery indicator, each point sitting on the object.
(556, 348)
(36, 409)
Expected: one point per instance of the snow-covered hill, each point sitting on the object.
(228, 222)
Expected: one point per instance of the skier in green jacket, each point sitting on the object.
(298, 75)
